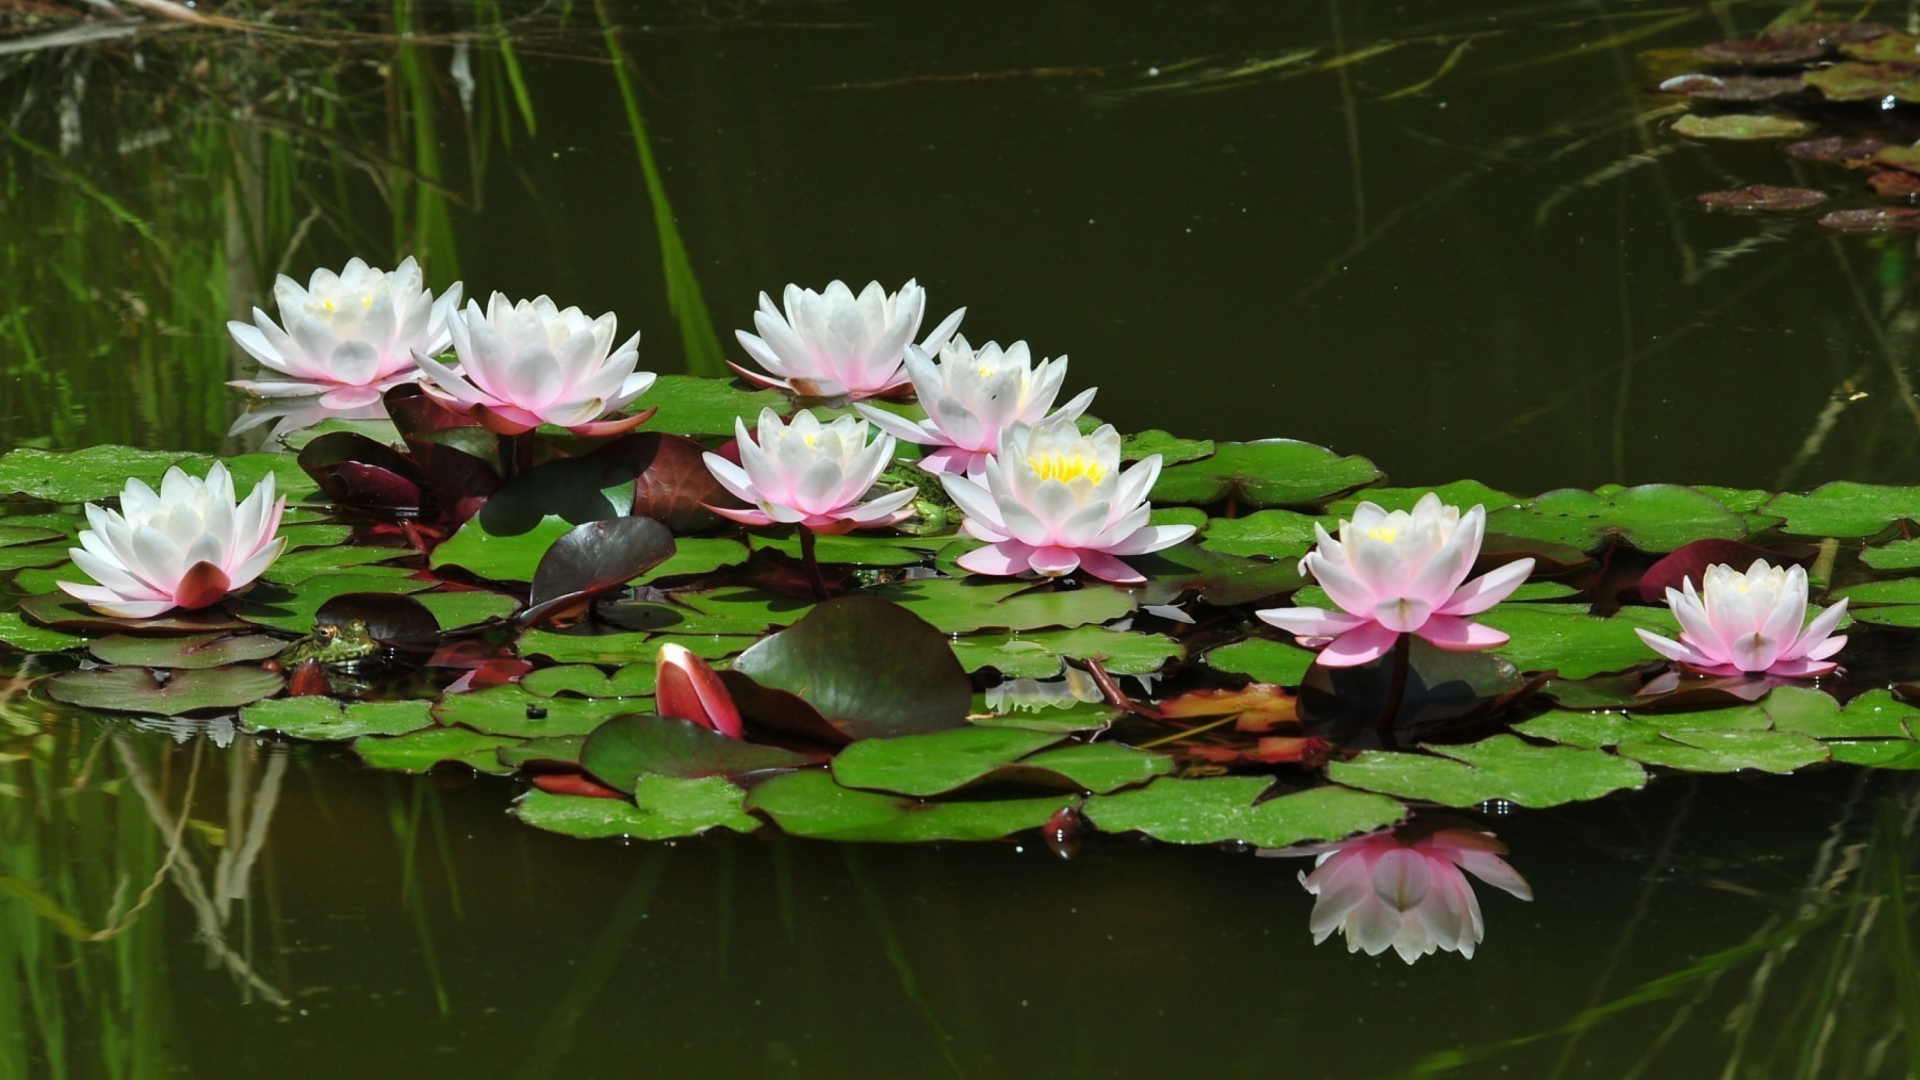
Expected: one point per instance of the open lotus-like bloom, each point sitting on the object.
(809, 473)
(1406, 889)
(1750, 623)
(1055, 500)
(687, 688)
(971, 397)
(1400, 573)
(531, 363)
(185, 547)
(836, 344)
(349, 337)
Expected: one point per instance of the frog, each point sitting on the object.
(933, 511)
(336, 647)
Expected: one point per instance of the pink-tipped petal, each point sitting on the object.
(1106, 567)
(1005, 559)
(1361, 645)
(1458, 635)
(1488, 589)
(1310, 622)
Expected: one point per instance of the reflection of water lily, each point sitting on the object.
(1406, 889)
(1055, 500)
(1074, 687)
(687, 688)
(186, 546)
(971, 397)
(532, 363)
(833, 343)
(809, 473)
(348, 338)
(1400, 573)
(1750, 623)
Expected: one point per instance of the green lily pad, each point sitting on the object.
(1877, 753)
(721, 611)
(1500, 767)
(1741, 126)
(1893, 555)
(695, 555)
(11, 535)
(1845, 509)
(510, 710)
(1852, 81)
(585, 680)
(303, 537)
(548, 749)
(1725, 751)
(323, 719)
(34, 556)
(1874, 714)
(137, 690)
(1276, 534)
(59, 611)
(1271, 472)
(198, 651)
(89, 475)
(292, 607)
(1219, 578)
(625, 648)
(1653, 517)
(1896, 591)
(458, 609)
(870, 667)
(963, 607)
(809, 804)
(1565, 638)
(1172, 449)
(1263, 660)
(1040, 655)
(632, 746)
(1907, 615)
(499, 558)
(1098, 767)
(27, 637)
(422, 750)
(1171, 515)
(1465, 494)
(1222, 809)
(296, 566)
(1589, 730)
(852, 549)
(937, 763)
(1062, 718)
(667, 808)
(693, 405)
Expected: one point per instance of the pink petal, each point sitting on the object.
(1361, 645)
(1004, 559)
(1054, 561)
(1310, 622)
(1458, 635)
(1488, 589)
(1108, 568)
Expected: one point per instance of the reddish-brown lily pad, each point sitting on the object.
(1836, 148)
(1760, 52)
(1826, 33)
(1762, 197)
(1884, 47)
(1744, 88)
(1885, 219)
(62, 612)
(1894, 184)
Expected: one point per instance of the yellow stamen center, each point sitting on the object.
(1383, 533)
(1061, 467)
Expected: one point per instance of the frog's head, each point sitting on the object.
(358, 629)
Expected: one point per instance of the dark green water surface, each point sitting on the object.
(1501, 276)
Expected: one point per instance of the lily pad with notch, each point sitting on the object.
(1270, 472)
(1652, 517)
(139, 690)
(1230, 809)
(809, 804)
(323, 719)
(631, 747)
(1041, 654)
(1845, 509)
(423, 750)
(197, 651)
(664, 808)
(1499, 767)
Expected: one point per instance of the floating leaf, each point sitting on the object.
(695, 555)
(871, 668)
(1501, 767)
(1172, 449)
(966, 606)
(300, 565)
(632, 746)
(1762, 197)
(89, 475)
(422, 750)
(585, 680)
(1878, 754)
(1741, 88)
(1725, 751)
(572, 648)
(1222, 809)
(512, 557)
(671, 481)
(810, 804)
(457, 610)
(1271, 472)
(853, 550)
(1741, 127)
(937, 763)
(1881, 219)
(1760, 52)
(1836, 148)
(1579, 645)
(62, 612)
(1096, 767)
(1893, 555)
(34, 556)
(11, 535)
(358, 471)
(1275, 534)
(667, 808)
(27, 637)
(721, 611)
(1263, 660)
(293, 607)
(691, 405)
(510, 710)
(1218, 578)
(547, 751)
(1464, 494)
(1653, 517)
(1846, 509)
(1039, 655)
(1859, 81)
(322, 719)
(137, 690)
(198, 651)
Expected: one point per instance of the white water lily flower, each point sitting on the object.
(971, 397)
(348, 338)
(1747, 623)
(532, 363)
(809, 473)
(1055, 500)
(835, 344)
(185, 546)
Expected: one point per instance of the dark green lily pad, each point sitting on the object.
(585, 680)
(1263, 660)
(1845, 509)
(510, 710)
(499, 558)
(1271, 472)
(198, 651)
(1741, 126)
(667, 808)
(1500, 767)
(695, 555)
(852, 549)
(871, 668)
(1653, 517)
(810, 804)
(292, 607)
(625, 648)
(597, 557)
(631, 746)
(1218, 578)
(323, 719)
(422, 750)
(1172, 449)
(137, 690)
(1222, 809)
(693, 405)
(1565, 638)
(937, 763)
(1465, 494)
(1040, 654)
(963, 607)
(1275, 534)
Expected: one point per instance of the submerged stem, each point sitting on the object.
(813, 566)
(1397, 687)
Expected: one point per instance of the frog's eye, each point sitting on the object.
(327, 631)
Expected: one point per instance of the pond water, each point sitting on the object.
(1469, 250)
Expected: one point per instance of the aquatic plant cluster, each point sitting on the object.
(672, 621)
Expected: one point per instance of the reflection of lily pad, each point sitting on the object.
(810, 804)
(1501, 767)
(1221, 809)
(137, 690)
(1272, 472)
(667, 807)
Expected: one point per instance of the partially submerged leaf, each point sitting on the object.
(322, 719)
(1741, 126)
(809, 804)
(1270, 472)
(197, 651)
(1224, 809)
(633, 746)
(665, 808)
(1762, 197)
(1501, 767)
(138, 690)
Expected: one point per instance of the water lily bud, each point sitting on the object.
(808, 473)
(687, 688)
